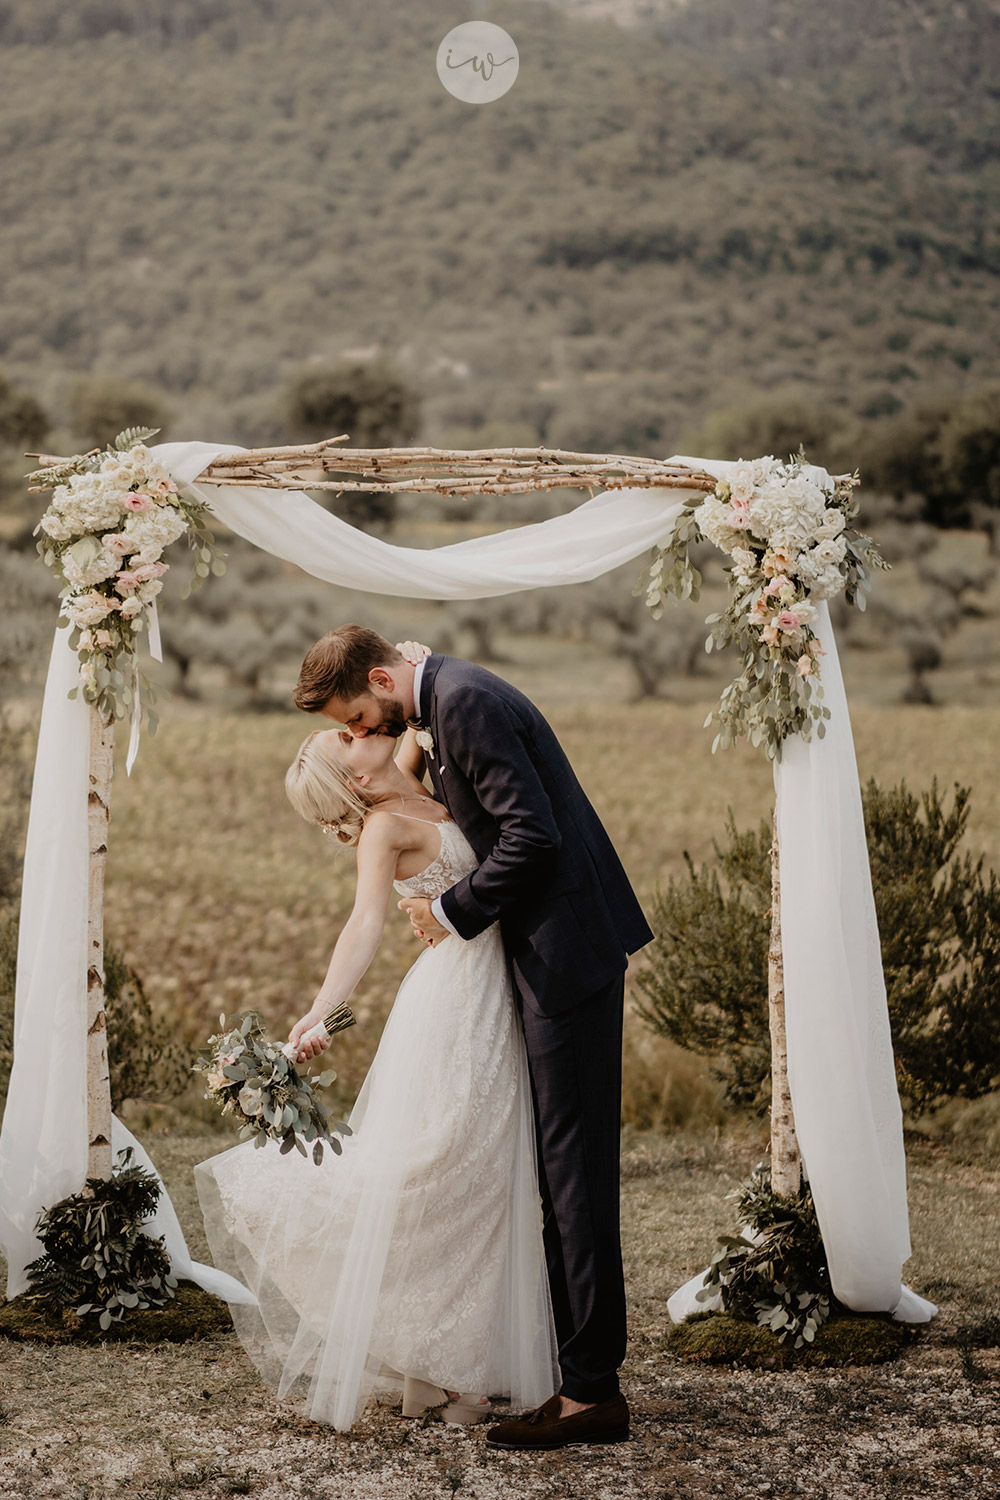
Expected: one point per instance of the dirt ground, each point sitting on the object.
(164, 1421)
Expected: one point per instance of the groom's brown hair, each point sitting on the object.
(338, 666)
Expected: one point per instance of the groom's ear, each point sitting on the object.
(381, 677)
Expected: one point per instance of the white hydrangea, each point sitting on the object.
(788, 511)
(715, 519)
(152, 530)
(89, 502)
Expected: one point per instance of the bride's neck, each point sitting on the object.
(390, 787)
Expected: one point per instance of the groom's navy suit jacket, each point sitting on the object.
(547, 869)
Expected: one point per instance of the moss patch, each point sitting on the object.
(718, 1339)
(192, 1314)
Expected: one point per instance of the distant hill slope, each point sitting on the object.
(653, 223)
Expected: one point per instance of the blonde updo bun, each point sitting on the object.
(321, 791)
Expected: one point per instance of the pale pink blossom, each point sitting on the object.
(805, 666)
(103, 639)
(128, 580)
(137, 501)
(131, 607)
(148, 571)
(788, 620)
(769, 635)
(117, 543)
(777, 584)
(160, 487)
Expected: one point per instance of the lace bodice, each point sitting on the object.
(453, 863)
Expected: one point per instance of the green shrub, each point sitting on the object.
(705, 982)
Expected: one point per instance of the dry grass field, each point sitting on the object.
(239, 902)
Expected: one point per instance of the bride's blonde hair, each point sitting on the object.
(322, 792)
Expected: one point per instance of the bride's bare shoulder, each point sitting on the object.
(382, 830)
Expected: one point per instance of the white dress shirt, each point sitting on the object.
(437, 910)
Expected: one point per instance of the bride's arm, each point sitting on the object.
(378, 851)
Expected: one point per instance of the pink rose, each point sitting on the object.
(769, 635)
(161, 487)
(789, 620)
(126, 582)
(117, 543)
(137, 501)
(805, 666)
(148, 571)
(777, 584)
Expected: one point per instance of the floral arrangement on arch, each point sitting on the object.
(791, 545)
(112, 515)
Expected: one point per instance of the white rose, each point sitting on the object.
(131, 607)
(830, 550)
(832, 523)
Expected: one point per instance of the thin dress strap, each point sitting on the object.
(433, 822)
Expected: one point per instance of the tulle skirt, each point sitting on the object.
(418, 1251)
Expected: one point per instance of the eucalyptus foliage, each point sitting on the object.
(776, 1274)
(254, 1080)
(98, 1257)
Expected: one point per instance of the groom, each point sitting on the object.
(569, 918)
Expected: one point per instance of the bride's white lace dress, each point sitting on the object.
(418, 1251)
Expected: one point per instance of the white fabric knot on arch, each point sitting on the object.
(840, 1065)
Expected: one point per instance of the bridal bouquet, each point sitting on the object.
(111, 516)
(791, 544)
(256, 1081)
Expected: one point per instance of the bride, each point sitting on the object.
(413, 1262)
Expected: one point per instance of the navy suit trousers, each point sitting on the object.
(575, 1060)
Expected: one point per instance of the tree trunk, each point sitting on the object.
(786, 1167)
(102, 739)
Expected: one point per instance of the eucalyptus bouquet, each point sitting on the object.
(791, 544)
(256, 1081)
(111, 516)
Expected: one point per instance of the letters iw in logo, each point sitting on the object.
(477, 62)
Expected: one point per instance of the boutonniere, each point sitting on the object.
(426, 741)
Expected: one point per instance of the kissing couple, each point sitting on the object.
(466, 1242)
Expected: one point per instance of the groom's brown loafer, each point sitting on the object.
(607, 1422)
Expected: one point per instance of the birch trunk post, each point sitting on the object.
(102, 740)
(786, 1162)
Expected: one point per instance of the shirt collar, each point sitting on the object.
(418, 676)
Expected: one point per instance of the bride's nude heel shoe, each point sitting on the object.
(420, 1396)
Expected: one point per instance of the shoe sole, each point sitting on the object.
(580, 1442)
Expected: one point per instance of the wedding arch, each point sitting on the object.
(835, 1113)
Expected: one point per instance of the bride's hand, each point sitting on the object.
(413, 652)
(315, 1044)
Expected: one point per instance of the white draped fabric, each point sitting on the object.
(840, 1059)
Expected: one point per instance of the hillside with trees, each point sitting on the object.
(737, 199)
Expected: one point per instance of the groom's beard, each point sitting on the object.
(393, 720)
